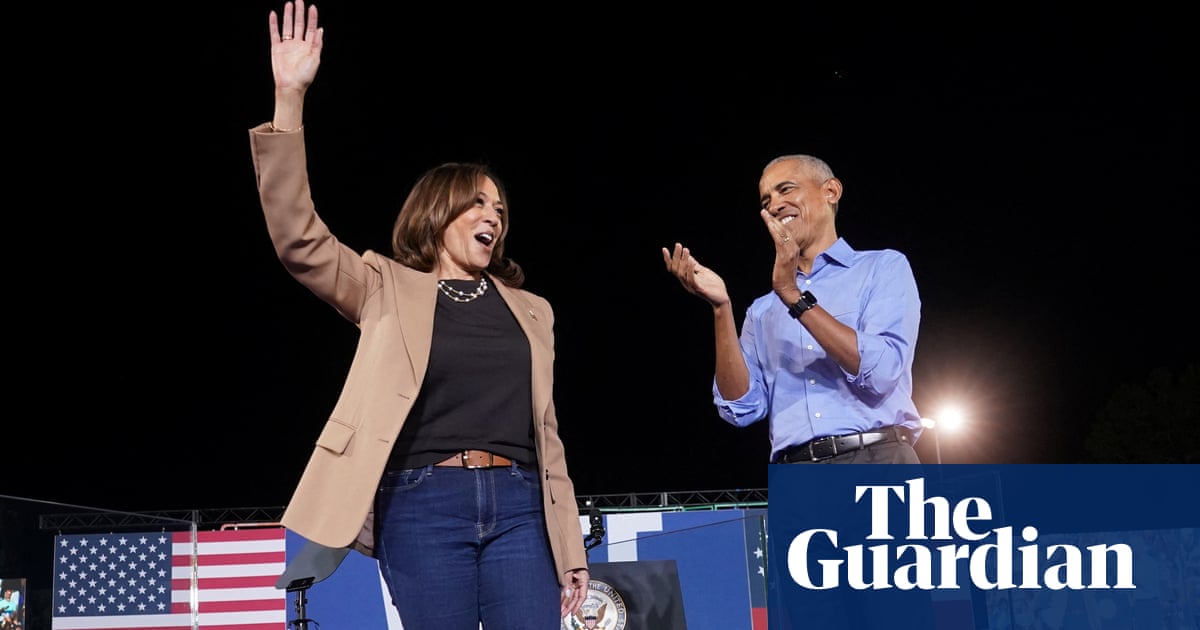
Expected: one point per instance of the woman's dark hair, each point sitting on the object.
(439, 196)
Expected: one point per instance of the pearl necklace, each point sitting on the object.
(463, 296)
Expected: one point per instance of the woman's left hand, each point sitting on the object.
(575, 591)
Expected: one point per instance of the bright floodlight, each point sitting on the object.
(951, 418)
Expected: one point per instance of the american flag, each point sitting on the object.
(145, 581)
(755, 529)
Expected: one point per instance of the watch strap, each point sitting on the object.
(807, 301)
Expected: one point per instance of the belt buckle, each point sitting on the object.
(822, 448)
(466, 460)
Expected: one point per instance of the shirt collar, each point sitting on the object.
(840, 252)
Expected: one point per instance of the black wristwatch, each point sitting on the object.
(807, 301)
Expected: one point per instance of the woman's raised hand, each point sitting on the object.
(295, 46)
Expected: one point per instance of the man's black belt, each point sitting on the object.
(831, 446)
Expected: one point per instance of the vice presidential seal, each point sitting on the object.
(604, 609)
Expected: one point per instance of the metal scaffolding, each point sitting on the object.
(257, 516)
(675, 501)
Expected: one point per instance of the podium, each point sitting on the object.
(639, 594)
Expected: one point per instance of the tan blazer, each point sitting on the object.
(393, 307)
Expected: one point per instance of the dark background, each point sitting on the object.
(1036, 165)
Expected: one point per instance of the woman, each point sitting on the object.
(441, 457)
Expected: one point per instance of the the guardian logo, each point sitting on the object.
(988, 557)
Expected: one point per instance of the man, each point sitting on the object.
(834, 377)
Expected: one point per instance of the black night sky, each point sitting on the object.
(1035, 164)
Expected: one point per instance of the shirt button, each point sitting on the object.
(809, 347)
(812, 381)
(818, 414)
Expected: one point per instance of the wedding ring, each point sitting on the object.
(786, 239)
(286, 37)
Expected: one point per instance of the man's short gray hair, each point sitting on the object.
(816, 165)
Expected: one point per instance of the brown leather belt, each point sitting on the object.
(475, 459)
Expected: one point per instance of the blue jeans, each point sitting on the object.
(460, 546)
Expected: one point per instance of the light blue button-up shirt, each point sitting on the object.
(803, 392)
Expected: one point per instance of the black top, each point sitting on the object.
(477, 392)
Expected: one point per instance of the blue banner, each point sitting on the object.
(975, 547)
